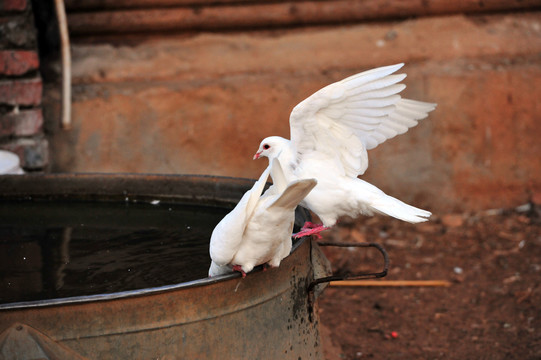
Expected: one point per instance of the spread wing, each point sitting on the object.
(227, 236)
(293, 194)
(349, 117)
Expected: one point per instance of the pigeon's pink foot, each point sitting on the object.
(239, 269)
(310, 229)
(309, 225)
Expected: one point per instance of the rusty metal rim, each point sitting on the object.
(107, 186)
(116, 295)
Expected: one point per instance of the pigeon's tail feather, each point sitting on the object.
(391, 206)
(294, 193)
(216, 269)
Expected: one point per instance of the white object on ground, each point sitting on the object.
(9, 163)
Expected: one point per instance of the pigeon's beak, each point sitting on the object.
(257, 155)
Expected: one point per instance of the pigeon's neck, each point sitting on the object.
(288, 160)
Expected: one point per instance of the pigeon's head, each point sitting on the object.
(270, 147)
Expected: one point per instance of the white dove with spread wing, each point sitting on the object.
(331, 132)
(258, 230)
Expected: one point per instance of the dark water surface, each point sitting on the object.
(62, 249)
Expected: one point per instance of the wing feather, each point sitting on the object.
(293, 194)
(382, 83)
(357, 118)
(379, 93)
(354, 115)
(370, 75)
(371, 103)
(406, 115)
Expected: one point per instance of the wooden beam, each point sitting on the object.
(262, 14)
(81, 5)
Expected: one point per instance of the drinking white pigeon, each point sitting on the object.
(258, 230)
(331, 132)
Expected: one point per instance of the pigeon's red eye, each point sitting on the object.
(266, 146)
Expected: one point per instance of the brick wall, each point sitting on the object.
(21, 119)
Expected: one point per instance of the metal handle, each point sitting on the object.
(380, 274)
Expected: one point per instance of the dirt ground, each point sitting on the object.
(491, 310)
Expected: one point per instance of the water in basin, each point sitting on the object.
(62, 249)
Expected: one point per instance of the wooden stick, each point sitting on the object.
(66, 63)
(393, 283)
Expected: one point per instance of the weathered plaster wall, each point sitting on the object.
(201, 104)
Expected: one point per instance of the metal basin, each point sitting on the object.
(267, 315)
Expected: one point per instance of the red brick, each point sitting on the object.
(7, 126)
(18, 62)
(13, 5)
(22, 123)
(21, 92)
(29, 122)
